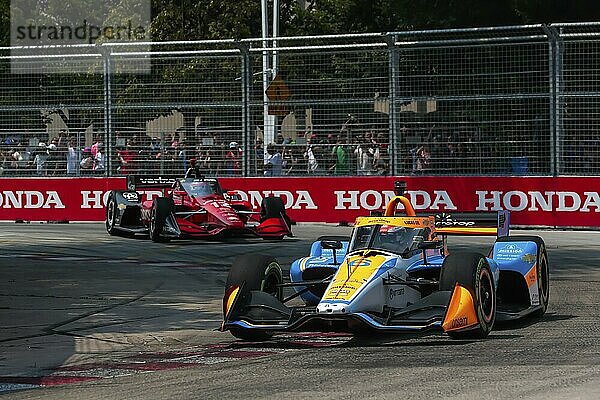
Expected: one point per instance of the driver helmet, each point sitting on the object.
(392, 234)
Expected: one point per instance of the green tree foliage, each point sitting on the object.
(217, 19)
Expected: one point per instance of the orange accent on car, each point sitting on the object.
(461, 310)
(390, 209)
(531, 276)
(229, 298)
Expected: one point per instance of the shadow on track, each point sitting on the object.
(527, 322)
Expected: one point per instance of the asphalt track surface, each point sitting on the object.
(88, 316)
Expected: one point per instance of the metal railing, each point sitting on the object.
(488, 101)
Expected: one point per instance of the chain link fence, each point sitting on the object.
(487, 101)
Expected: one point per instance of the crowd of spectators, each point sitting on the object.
(60, 156)
(215, 154)
(354, 149)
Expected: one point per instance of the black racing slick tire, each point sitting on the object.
(273, 207)
(543, 270)
(472, 271)
(162, 207)
(255, 272)
(111, 214)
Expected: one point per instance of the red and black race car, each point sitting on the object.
(191, 208)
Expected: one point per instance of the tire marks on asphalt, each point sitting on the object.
(152, 362)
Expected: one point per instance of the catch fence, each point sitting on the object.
(487, 101)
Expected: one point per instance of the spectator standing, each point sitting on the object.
(206, 162)
(94, 148)
(127, 160)
(290, 161)
(423, 157)
(17, 160)
(273, 161)
(232, 160)
(54, 160)
(86, 164)
(72, 157)
(363, 159)
(311, 158)
(340, 157)
(99, 159)
(40, 157)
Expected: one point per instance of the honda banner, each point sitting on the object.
(532, 201)
(55, 199)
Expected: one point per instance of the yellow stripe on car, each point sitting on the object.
(356, 271)
(407, 222)
(467, 231)
(229, 298)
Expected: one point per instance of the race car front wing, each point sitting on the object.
(255, 310)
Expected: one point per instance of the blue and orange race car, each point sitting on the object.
(395, 274)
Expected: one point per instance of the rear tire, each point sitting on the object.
(162, 207)
(472, 271)
(255, 272)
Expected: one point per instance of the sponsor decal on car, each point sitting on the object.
(510, 249)
(352, 276)
(131, 196)
(401, 221)
(531, 276)
(528, 258)
(446, 220)
(459, 322)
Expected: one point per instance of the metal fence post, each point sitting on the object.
(246, 81)
(552, 57)
(394, 135)
(558, 136)
(105, 51)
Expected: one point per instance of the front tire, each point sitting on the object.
(258, 273)
(543, 274)
(111, 214)
(472, 271)
(162, 208)
(273, 207)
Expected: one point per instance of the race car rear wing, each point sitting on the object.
(473, 223)
(466, 223)
(135, 182)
